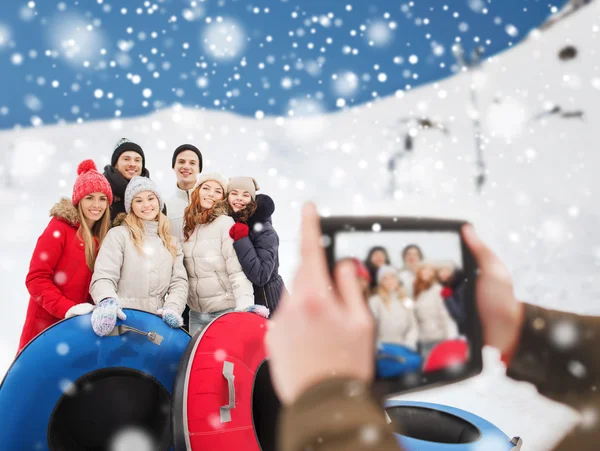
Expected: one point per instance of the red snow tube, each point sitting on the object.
(223, 398)
(447, 354)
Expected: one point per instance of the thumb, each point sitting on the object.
(121, 315)
(483, 254)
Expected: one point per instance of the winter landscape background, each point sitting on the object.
(537, 208)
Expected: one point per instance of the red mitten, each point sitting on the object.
(238, 231)
(446, 292)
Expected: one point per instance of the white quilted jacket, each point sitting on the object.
(216, 279)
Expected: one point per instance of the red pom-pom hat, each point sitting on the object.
(89, 181)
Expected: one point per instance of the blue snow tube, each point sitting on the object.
(393, 360)
(69, 389)
(423, 426)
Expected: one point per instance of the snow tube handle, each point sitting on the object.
(228, 374)
(518, 442)
(122, 328)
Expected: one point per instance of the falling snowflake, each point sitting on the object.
(379, 33)
(220, 355)
(564, 335)
(224, 40)
(33, 102)
(345, 84)
(74, 39)
(62, 349)
(5, 36)
(132, 438)
(67, 387)
(511, 30)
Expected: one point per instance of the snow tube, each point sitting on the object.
(447, 354)
(393, 360)
(223, 398)
(70, 390)
(422, 426)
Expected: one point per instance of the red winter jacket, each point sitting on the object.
(58, 275)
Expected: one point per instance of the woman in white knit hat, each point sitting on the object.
(140, 263)
(393, 311)
(217, 282)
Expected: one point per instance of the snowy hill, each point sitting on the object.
(537, 209)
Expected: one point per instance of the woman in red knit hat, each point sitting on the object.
(63, 259)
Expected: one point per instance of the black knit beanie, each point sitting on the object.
(124, 145)
(187, 147)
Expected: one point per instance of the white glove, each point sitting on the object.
(80, 309)
(260, 310)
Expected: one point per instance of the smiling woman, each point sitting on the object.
(217, 282)
(141, 239)
(64, 257)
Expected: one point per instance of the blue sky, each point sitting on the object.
(67, 60)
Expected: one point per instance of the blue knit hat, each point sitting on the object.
(137, 185)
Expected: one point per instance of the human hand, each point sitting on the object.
(80, 309)
(320, 331)
(500, 313)
(104, 317)
(260, 310)
(238, 231)
(172, 318)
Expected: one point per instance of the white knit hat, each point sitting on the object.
(384, 271)
(213, 177)
(137, 185)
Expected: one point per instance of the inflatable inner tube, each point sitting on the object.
(70, 390)
(223, 396)
(422, 426)
(108, 400)
(418, 422)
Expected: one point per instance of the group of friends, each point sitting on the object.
(118, 243)
(417, 306)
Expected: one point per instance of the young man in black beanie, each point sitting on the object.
(128, 160)
(187, 164)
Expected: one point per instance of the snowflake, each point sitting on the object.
(224, 40)
(62, 349)
(345, 84)
(5, 36)
(511, 30)
(132, 438)
(379, 33)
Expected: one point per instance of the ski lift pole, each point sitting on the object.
(475, 63)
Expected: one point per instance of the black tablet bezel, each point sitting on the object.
(333, 225)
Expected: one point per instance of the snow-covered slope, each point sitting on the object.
(537, 209)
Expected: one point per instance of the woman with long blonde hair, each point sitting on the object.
(435, 323)
(217, 282)
(140, 264)
(64, 257)
(393, 310)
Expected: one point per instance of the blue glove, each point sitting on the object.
(172, 318)
(104, 317)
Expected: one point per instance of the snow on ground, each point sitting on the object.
(537, 209)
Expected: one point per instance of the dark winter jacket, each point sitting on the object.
(118, 184)
(455, 301)
(258, 254)
(569, 375)
(58, 276)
